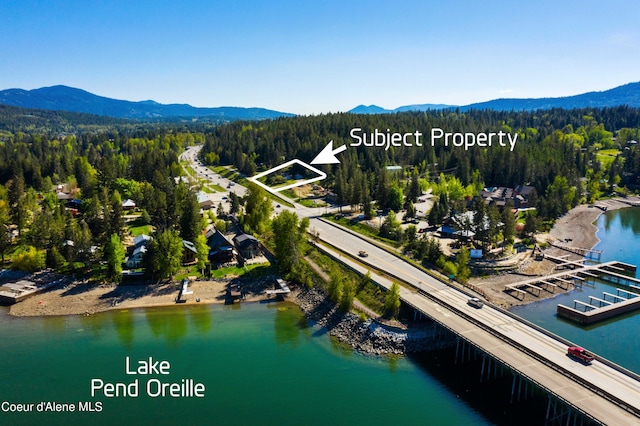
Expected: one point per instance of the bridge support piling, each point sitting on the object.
(513, 387)
(519, 388)
(457, 348)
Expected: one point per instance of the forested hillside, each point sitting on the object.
(567, 156)
(551, 144)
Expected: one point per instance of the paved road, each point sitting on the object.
(534, 354)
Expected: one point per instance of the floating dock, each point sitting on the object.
(586, 313)
(574, 273)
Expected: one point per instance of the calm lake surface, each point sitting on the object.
(259, 363)
(616, 339)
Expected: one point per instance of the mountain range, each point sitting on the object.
(64, 98)
(628, 94)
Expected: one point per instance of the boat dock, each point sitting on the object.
(282, 291)
(577, 273)
(587, 253)
(574, 273)
(11, 293)
(586, 313)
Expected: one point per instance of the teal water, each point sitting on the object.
(616, 339)
(259, 364)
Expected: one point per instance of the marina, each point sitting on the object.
(577, 273)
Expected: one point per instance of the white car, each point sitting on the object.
(475, 302)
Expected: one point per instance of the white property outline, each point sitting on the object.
(254, 179)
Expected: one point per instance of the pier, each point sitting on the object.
(586, 313)
(574, 273)
(587, 253)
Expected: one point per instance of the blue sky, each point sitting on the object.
(310, 57)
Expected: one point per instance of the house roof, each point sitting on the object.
(139, 251)
(141, 239)
(189, 246)
(217, 241)
(128, 203)
(244, 240)
(525, 190)
(203, 198)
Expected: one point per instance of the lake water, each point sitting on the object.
(259, 364)
(617, 338)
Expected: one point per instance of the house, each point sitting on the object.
(220, 249)
(135, 259)
(205, 201)
(501, 195)
(247, 245)
(189, 253)
(128, 204)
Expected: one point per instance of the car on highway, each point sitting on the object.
(363, 253)
(475, 302)
(580, 354)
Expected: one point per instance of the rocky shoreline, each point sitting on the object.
(367, 336)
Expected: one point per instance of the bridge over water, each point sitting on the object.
(603, 391)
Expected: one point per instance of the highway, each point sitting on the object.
(534, 354)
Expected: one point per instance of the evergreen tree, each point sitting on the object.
(509, 221)
(17, 206)
(190, 219)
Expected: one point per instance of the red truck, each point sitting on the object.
(581, 354)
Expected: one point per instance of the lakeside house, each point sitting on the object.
(135, 259)
(139, 248)
(220, 249)
(248, 246)
(189, 252)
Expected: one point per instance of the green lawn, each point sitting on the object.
(256, 269)
(138, 228)
(606, 156)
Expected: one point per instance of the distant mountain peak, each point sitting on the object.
(65, 98)
(627, 94)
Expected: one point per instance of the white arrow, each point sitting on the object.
(328, 154)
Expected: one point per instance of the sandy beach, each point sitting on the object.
(86, 299)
